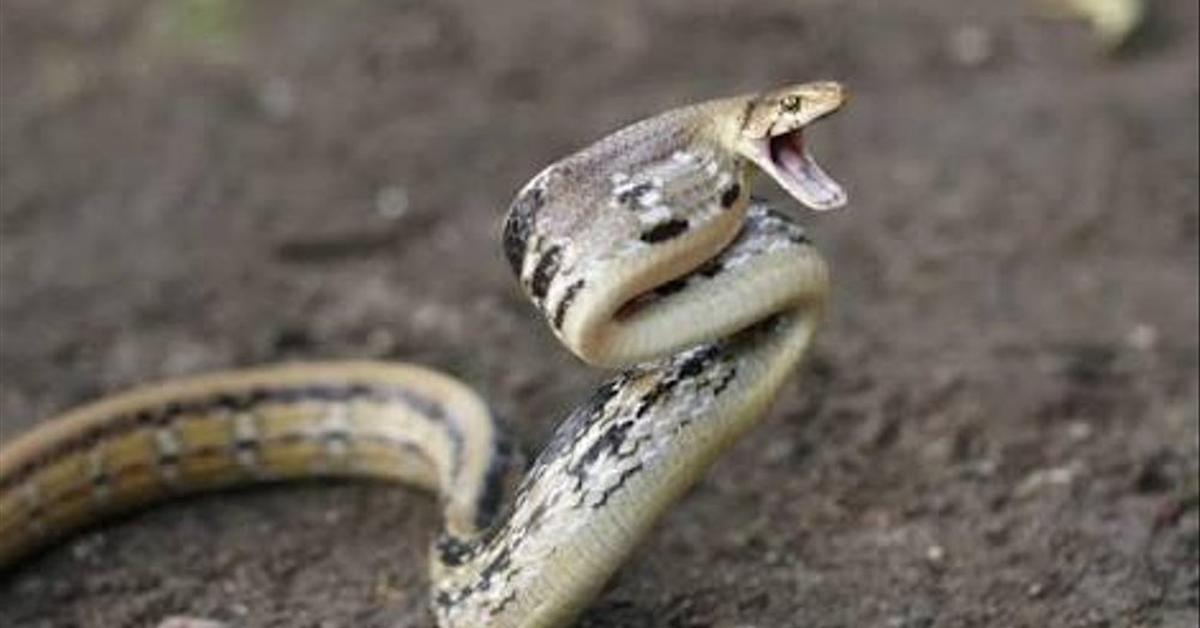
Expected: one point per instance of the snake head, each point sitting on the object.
(770, 133)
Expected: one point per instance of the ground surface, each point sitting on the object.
(999, 427)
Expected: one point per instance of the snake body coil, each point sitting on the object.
(643, 251)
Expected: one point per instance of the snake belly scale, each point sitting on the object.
(644, 252)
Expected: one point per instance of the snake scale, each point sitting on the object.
(644, 252)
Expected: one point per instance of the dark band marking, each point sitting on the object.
(627, 196)
(546, 269)
(453, 551)
(519, 224)
(664, 231)
(499, 564)
(620, 483)
(502, 604)
(730, 195)
(711, 269)
(166, 416)
(610, 441)
(444, 599)
(798, 237)
(655, 395)
(724, 382)
(564, 304)
(698, 361)
(492, 498)
(671, 287)
(747, 111)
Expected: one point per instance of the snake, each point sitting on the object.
(646, 254)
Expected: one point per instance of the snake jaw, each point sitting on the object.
(786, 158)
(770, 133)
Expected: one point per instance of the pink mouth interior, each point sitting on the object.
(795, 169)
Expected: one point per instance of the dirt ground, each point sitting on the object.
(999, 427)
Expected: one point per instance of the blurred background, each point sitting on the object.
(998, 428)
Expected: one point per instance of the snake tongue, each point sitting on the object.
(789, 162)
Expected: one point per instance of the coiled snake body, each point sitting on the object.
(643, 251)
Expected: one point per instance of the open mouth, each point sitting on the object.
(788, 161)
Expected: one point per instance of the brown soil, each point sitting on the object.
(999, 427)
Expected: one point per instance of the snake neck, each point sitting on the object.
(622, 458)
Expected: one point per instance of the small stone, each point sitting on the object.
(971, 46)
(1142, 337)
(984, 468)
(392, 202)
(277, 98)
(1042, 478)
(936, 554)
(1079, 431)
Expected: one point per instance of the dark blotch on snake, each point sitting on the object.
(628, 195)
(453, 551)
(546, 269)
(671, 287)
(697, 362)
(609, 441)
(508, 599)
(711, 269)
(444, 599)
(610, 491)
(744, 118)
(730, 195)
(664, 231)
(499, 564)
(655, 395)
(519, 225)
(564, 304)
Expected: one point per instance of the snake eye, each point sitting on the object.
(790, 104)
